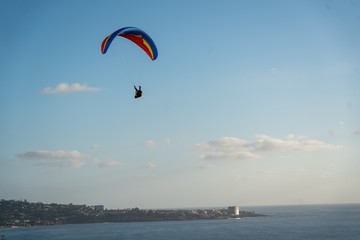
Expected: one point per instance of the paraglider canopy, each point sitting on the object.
(135, 35)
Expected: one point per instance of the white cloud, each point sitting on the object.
(71, 159)
(72, 163)
(230, 148)
(150, 143)
(357, 132)
(167, 140)
(230, 155)
(266, 143)
(66, 88)
(42, 154)
(111, 163)
(224, 143)
(225, 148)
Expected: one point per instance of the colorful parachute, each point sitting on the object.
(137, 36)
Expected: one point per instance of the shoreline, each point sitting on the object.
(24, 214)
(130, 221)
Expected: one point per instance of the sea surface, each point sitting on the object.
(282, 222)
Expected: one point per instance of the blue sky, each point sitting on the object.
(248, 103)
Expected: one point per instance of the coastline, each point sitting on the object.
(137, 221)
(16, 214)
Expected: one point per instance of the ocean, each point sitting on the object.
(316, 222)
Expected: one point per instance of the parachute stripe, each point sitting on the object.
(141, 42)
(147, 45)
(104, 44)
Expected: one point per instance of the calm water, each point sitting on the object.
(283, 222)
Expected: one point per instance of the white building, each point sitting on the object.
(234, 210)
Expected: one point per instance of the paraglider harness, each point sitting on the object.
(138, 93)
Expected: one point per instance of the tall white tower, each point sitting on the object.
(234, 210)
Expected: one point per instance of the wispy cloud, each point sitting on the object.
(66, 88)
(225, 148)
(207, 166)
(71, 159)
(110, 163)
(150, 165)
(42, 154)
(267, 143)
(150, 143)
(230, 148)
(230, 155)
(357, 132)
(273, 70)
(71, 163)
(95, 147)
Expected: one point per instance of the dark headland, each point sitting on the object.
(25, 214)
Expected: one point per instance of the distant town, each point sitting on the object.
(14, 214)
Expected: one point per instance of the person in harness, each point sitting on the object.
(138, 92)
